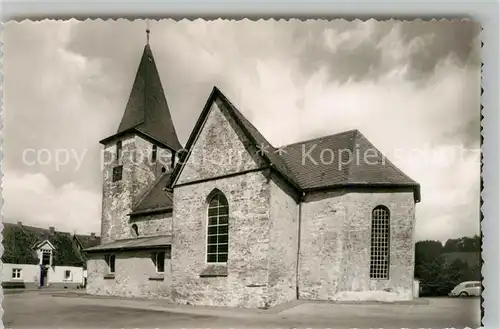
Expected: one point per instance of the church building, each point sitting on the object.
(231, 220)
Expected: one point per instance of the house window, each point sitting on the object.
(110, 260)
(379, 263)
(160, 262)
(16, 273)
(67, 275)
(117, 173)
(154, 153)
(46, 257)
(218, 229)
(118, 151)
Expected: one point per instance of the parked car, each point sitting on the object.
(467, 288)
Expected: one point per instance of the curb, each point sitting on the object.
(163, 305)
(419, 301)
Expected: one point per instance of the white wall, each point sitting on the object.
(31, 273)
(56, 274)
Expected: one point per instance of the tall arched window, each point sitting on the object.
(380, 243)
(218, 228)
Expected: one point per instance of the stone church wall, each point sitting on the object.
(119, 197)
(282, 243)
(135, 276)
(220, 149)
(335, 246)
(249, 220)
(154, 224)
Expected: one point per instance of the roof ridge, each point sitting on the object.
(35, 227)
(318, 138)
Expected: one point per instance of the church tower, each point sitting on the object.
(142, 150)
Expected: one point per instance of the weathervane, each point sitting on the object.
(147, 31)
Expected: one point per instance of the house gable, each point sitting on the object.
(45, 245)
(219, 147)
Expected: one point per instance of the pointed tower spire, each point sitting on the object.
(147, 110)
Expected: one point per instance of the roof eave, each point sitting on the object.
(414, 186)
(294, 185)
(151, 211)
(134, 130)
(158, 246)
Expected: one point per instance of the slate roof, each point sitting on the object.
(373, 170)
(18, 242)
(136, 243)
(87, 241)
(348, 159)
(147, 111)
(157, 198)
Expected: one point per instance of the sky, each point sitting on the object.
(412, 88)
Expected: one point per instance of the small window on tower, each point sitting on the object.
(117, 173)
(154, 153)
(118, 150)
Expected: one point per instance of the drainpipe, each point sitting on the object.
(301, 199)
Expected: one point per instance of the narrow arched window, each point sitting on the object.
(154, 153)
(218, 228)
(135, 230)
(380, 243)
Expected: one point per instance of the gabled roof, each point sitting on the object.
(40, 244)
(266, 150)
(147, 111)
(157, 198)
(344, 159)
(18, 241)
(372, 170)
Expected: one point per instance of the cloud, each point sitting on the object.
(406, 86)
(34, 200)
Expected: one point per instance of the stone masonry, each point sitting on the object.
(295, 231)
(135, 276)
(153, 224)
(249, 220)
(267, 217)
(138, 173)
(335, 244)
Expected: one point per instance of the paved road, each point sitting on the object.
(38, 310)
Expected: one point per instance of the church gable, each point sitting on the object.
(220, 147)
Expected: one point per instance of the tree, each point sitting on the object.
(438, 276)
